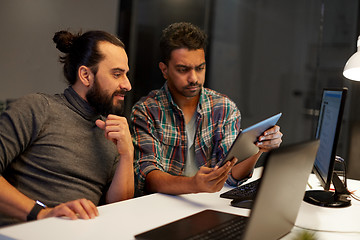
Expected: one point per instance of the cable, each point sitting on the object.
(354, 196)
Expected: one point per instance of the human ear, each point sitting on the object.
(164, 69)
(85, 75)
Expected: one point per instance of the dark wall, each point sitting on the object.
(147, 19)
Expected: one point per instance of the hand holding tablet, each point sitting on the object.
(244, 145)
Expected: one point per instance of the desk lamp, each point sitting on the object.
(352, 66)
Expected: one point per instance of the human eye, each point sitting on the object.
(200, 68)
(118, 74)
(182, 69)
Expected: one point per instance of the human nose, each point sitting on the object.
(193, 77)
(125, 84)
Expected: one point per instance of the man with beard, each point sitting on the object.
(63, 154)
(183, 130)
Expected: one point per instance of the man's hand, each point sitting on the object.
(212, 179)
(81, 208)
(270, 139)
(117, 130)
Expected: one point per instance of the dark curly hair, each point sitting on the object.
(181, 35)
(82, 49)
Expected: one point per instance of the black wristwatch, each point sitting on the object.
(35, 210)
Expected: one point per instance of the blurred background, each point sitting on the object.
(267, 56)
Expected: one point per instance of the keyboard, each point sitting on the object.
(230, 230)
(246, 191)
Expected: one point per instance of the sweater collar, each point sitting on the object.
(79, 105)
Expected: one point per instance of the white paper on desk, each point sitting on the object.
(345, 219)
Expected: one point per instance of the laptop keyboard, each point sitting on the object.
(232, 229)
(246, 191)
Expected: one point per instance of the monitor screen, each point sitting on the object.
(328, 129)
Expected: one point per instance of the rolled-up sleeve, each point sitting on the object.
(234, 182)
(147, 147)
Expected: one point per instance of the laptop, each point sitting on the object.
(276, 205)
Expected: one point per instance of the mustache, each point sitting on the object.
(195, 84)
(121, 92)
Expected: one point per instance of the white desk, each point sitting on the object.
(125, 219)
(330, 223)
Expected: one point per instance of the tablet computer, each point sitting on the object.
(244, 145)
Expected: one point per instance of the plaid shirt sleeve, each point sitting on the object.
(231, 129)
(147, 147)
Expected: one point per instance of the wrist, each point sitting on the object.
(128, 156)
(193, 185)
(43, 213)
(34, 212)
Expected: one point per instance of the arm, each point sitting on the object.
(16, 204)
(270, 139)
(13, 202)
(205, 180)
(117, 130)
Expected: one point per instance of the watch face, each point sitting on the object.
(40, 203)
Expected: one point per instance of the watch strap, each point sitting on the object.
(35, 211)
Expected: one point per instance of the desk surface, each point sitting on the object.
(125, 219)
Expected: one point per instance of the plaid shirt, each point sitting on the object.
(160, 139)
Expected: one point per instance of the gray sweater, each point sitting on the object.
(52, 151)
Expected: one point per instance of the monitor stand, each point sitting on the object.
(324, 198)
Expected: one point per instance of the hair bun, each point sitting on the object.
(64, 40)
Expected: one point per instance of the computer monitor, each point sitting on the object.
(328, 130)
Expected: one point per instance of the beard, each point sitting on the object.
(103, 103)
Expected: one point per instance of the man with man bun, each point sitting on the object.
(63, 154)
